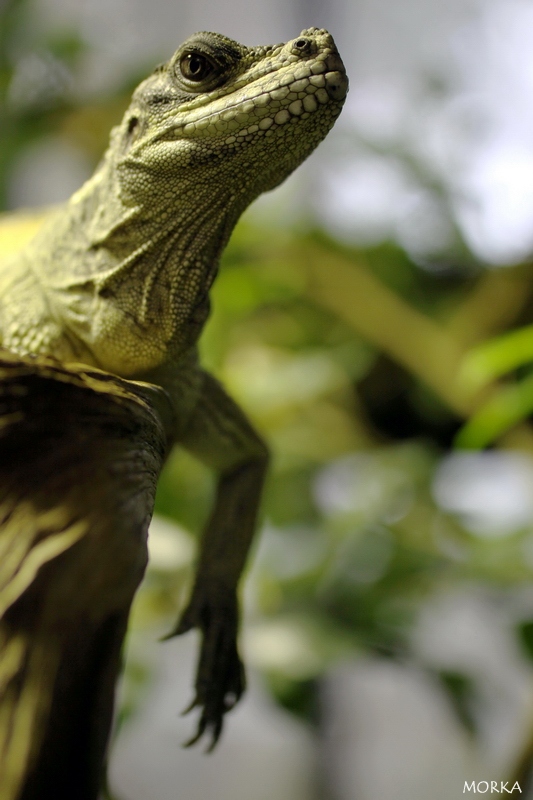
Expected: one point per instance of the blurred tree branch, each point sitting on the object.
(495, 302)
(423, 346)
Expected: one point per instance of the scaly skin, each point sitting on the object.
(119, 278)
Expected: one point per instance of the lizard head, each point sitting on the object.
(205, 134)
(233, 120)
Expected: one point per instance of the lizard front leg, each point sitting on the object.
(221, 436)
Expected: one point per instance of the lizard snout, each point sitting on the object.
(336, 85)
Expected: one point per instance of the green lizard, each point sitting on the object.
(119, 277)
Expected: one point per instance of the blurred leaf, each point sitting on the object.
(66, 45)
(505, 408)
(301, 698)
(525, 636)
(184, 491)
(460, 690)
(494, 358)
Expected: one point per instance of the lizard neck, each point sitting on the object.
(139, 292)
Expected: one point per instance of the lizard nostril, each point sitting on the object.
(336, 85)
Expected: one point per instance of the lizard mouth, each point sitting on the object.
(288, 93)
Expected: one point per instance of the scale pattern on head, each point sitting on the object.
(250, 115)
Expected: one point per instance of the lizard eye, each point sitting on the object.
(200, 65)
(196, 67)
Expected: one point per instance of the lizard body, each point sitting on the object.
(119, 277)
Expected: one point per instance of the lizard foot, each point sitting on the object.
(220, 680)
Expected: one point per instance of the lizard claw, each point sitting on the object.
(220, 679)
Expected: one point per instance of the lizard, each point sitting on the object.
(119, 278)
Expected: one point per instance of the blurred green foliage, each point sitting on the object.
(353, 540)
